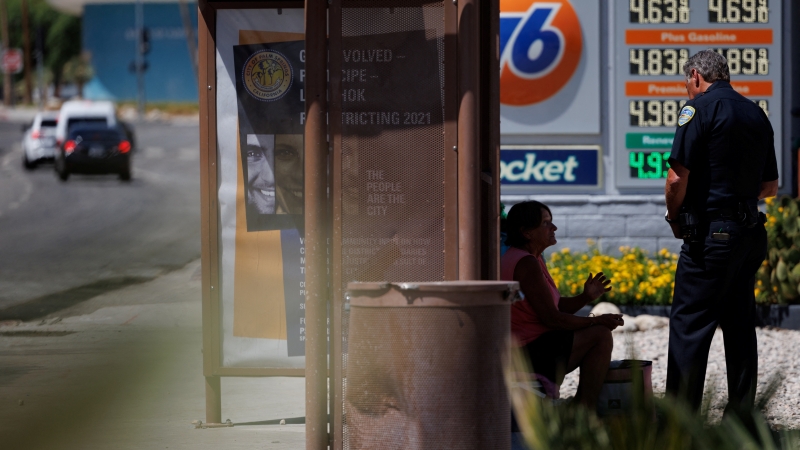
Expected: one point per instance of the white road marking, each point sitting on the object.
(21, 181)
(153, 152)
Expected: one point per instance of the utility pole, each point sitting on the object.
(4, 33)
(140, 58)
(191, 41)
(27, 52)
(40, 67)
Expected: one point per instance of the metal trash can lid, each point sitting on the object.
(432, 293)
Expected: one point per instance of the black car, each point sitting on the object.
(94, 149)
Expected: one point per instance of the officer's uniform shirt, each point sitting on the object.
(726, 142)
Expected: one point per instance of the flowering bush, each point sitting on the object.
(778, 279)
(636, 276)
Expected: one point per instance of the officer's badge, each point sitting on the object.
(687, 113)
(267, 75)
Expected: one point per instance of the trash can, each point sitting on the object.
(424, 365)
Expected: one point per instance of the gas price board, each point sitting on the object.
(653, 40)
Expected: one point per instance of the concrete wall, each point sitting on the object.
(611, 221)
(109, 35)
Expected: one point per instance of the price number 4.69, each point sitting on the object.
(738, 11)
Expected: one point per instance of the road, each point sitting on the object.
(64, 242)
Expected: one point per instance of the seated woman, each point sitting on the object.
(544, 323)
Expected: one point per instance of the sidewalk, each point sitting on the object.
(124, 370)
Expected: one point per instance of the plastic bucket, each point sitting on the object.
(618, 391)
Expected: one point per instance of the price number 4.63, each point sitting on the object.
(659, 11)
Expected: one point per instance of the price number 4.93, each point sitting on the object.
(649, 165)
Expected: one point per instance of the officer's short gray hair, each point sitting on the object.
(708, 63)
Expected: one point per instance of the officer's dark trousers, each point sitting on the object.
(714, 286)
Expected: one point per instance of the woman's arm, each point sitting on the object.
(594, 287)
(533, 284)
(571, 305)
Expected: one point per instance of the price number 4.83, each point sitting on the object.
(657, 61)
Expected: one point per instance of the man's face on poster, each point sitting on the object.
(289, 173)
(260, 154)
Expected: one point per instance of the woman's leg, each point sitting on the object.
(591, 351)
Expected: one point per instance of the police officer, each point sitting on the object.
(722, 162)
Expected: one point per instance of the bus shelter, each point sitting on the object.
(348, 140)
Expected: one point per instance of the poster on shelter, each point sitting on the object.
(269, 90)
(260, 143)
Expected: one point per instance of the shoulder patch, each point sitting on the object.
(687, 113)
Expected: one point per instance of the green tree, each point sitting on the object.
(78, 71)
(61, 35)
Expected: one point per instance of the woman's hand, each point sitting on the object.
(596, 286)
(609, 321)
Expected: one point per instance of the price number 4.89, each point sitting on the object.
(746, 61)
(738, 11)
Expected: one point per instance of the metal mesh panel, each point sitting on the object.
(427, 378)
(392, 143)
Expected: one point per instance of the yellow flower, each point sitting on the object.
(565, 250)
(757, 291)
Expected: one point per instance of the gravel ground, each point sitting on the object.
(777, 355)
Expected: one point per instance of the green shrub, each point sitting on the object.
(778, 279)
(547, 426)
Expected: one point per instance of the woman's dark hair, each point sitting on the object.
(523, 216)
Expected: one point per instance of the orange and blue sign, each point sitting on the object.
(540, 48)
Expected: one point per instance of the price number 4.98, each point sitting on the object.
(655, 113)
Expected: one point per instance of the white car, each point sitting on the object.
(39, 141)
(75, 112)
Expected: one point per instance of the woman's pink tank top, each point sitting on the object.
(525, 324)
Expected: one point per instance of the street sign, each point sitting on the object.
(11, 61)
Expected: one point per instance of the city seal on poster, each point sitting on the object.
(269, 89)
(267, 75)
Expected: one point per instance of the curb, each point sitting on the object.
(780, 316)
